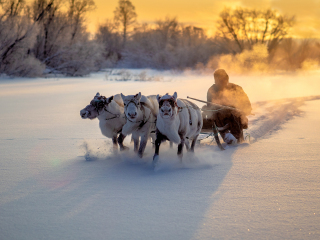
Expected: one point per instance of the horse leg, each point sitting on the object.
(153, 139)
(135, 138)
(143, 144)
(136, 144)
(159, 139)
(187, 143)
(114, 142)
(180, 148)
(194, 141)
(120, 142)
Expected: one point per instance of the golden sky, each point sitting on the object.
(204, 13)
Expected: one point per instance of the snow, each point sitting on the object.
(59, 178)
(272, 189)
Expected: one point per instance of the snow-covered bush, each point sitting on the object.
(169, 45)
(63, 43)
(45, 34)
(17, 37)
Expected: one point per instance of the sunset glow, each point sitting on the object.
(204, 13)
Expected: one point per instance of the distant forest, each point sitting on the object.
(50, 37)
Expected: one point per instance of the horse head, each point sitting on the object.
(168, 105)
(97, 104)
(131, 105)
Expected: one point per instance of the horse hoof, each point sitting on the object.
(155, 161)
(155, 157)
(124, 148)
(140, 154)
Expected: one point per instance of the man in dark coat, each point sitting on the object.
(230, 122)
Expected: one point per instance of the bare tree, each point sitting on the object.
(77, 10)
(63, 43)
(125, 15)
(247, 27)
(168, 45)
(46, 36)
(45, 12)
(17, 36)
(110, 39)
(12, 8)
(169, 30)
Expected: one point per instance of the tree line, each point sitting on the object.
(50, 37)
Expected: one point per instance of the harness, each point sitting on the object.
(101, 103)
(144, 120)
(115, 115)
(187, 107)
(180, 109)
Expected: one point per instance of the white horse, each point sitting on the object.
(178, 121)
(140, 112)
(109, 111)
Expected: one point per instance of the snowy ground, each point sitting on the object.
(269, 189)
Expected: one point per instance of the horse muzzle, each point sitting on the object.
(166, 112)
(84, 114)
(132, 115)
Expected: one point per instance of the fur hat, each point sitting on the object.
(221, 75)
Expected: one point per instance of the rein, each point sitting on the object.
(115, 115)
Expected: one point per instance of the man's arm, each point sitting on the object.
(245, 102)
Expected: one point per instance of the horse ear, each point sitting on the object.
(175, 96)
(158, 97)
(123, 96)
(109, 99)
(139, 96)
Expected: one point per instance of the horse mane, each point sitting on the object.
(152, 104)
(118, 99)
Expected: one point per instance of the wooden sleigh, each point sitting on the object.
(213, 124)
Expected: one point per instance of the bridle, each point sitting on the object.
(172, 103)
(100, 103)
(132, 101)
(137, 105)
